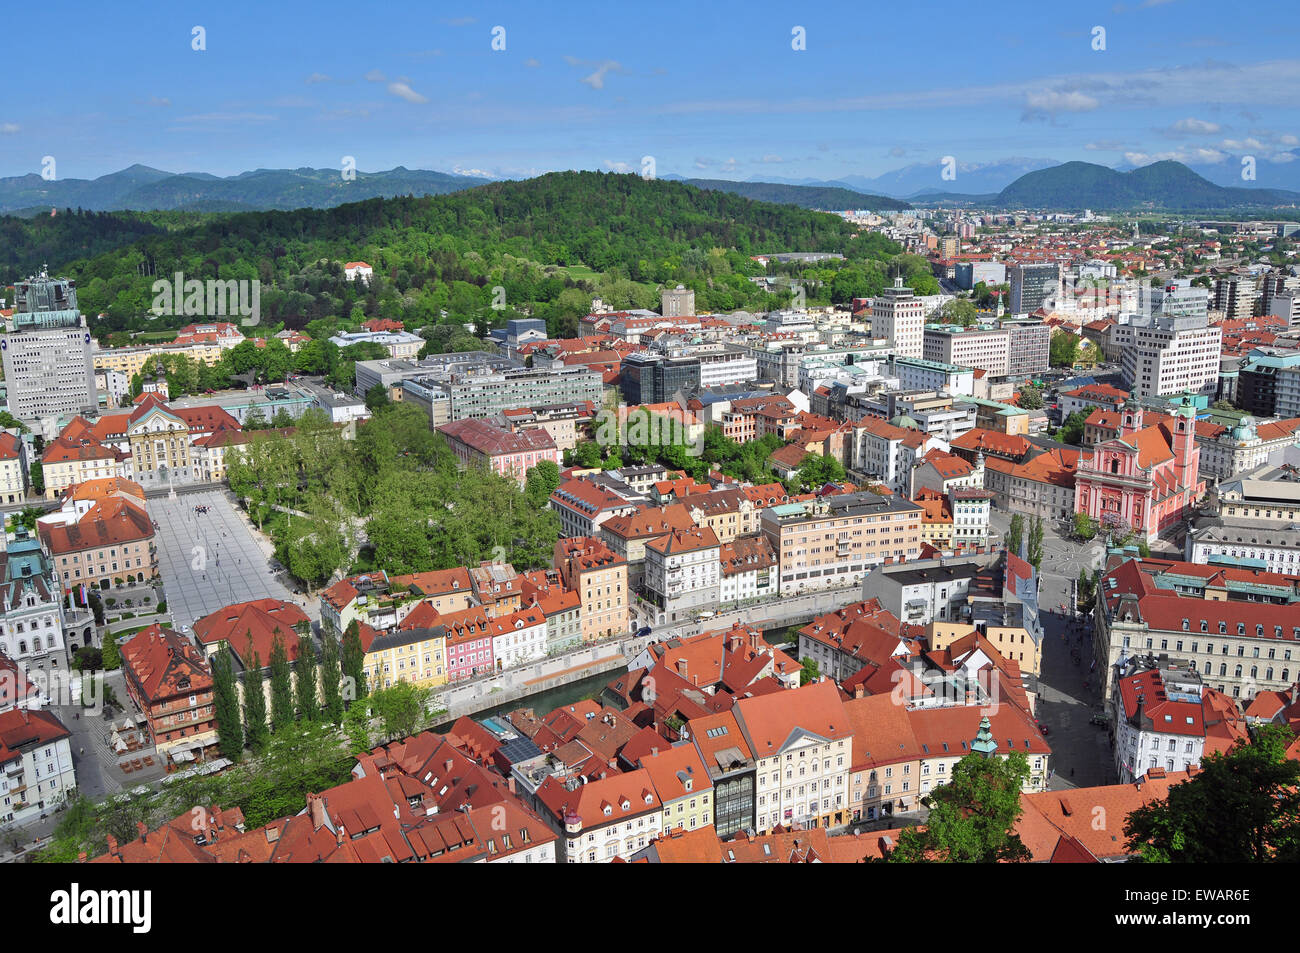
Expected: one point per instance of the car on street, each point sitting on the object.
(1101, 721)
(1043, 728)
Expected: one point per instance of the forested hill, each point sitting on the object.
(590, 225)
(805, 196)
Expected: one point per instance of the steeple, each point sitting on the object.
(984, 743)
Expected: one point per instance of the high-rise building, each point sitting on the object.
(1171, 355)
(655, 378)
(678, 302)
(1236, 296)
(1028, 348)
(984, 347)
(898, 316)
(48, 366)
(1032, 285)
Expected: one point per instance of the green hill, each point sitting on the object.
(805, 196)
(437, 257)
(1167, 185)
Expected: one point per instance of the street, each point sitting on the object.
(1068, 698)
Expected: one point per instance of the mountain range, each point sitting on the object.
(142, 188)
(1010, 183)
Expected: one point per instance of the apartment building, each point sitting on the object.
(835, 540)
(683, 573)
(36, 771)
(682, 784)
(599, 819)
(1033, 285)
(13, 469)
(1238, 628)
(987, 348)
(46, 353)
(599, 576)
(802, 742)
(110, 545)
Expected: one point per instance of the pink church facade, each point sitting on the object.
(1146, 477)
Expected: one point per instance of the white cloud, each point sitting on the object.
(731, 165)
(1186, 156)
(318, 78)
(402, 90)
(159, 101)
(1191, 126)
(617, 166)
(375, 76)
(532, 63)
(596, 79)
(702, 162)
(1049, 102)
(771, 158)
(1288, 140)
(9, 128)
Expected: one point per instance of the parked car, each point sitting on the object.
(1101, 721)
(1044, 729)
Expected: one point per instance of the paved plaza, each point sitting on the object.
(210, 559)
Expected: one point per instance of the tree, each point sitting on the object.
(1086, 589)
(811, 670)
(38, 477)
(972, 817)
(1016, 534)
(255, 729)
(816, 471)
(1064, 349)
(225, 706)
(377, 398)
(541, 482)
(1031, 397)
(1072, 428)
(331, 679)
(281, 686)
(399, 708)
(1036, 542)
(1224, 405)
(112, 657)
(354, 661)
(960, 311)
(96, 606)
(1085, 527)
(1243, 806)
(306, 681)
(9, 422)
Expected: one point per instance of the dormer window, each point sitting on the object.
(626, 805)
(608, 810)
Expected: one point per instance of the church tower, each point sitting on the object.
(1130, 418)
(1187, 456)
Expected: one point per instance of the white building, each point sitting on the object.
(1159, 720)
(1169, 355)
(748, 570)
(357, 269)
(519, 638)
(917, 373)
(971, 508)
(803, 749)
(13, 468)
(986, 348)
(898, 316)
(31, 606)
(599, 819)
(683, 572)
(36, 772)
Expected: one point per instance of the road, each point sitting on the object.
(1068, 696)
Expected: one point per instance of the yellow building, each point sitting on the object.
(682, 782)
(131, 360)
(414, 652)
(158, 438)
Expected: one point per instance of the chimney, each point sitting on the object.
(216, 818)
(681, 667)
(112, 845)
(859, 690)
(510, 784)
(144, 831)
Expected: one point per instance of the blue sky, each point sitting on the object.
(708, 89)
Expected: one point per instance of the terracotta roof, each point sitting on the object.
(165, 663)
(110, 522)
(263, 618)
